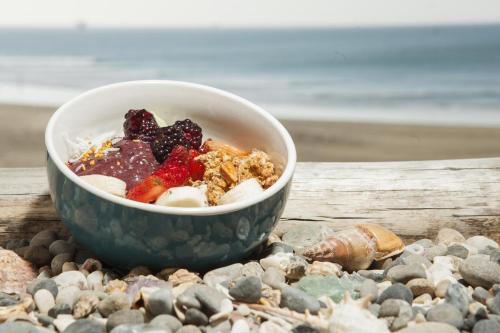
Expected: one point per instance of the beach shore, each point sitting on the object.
(22, 136)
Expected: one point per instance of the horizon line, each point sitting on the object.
(84, 26)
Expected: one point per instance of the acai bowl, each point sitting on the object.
(127, 232)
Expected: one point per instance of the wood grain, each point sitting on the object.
(414, 199)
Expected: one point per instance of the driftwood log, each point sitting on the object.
(414, 199)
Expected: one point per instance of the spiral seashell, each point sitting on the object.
(356, 248)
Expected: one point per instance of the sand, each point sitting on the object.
(22, 136)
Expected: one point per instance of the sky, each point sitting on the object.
(245, 13)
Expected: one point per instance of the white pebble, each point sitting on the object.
(71, 278)
(415, 248)
(240, 326)
(279, 260)
(62, 321)
(94, 280)
(44, 300)
(271, 327)
(481, 242)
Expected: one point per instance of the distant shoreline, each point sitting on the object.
(22, 134)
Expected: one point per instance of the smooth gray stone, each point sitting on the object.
(494, 304)
(160, 302)
(166, 320)
(457, 295)
(85, 326)
(38, 284)
(396, 291)
(486, 326)
(247, 289)
(405, 273)
(299, 301)
(124, 317)
(195, 317)
(478, 270)
(446, 313)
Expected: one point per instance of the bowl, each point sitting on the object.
(126, 233)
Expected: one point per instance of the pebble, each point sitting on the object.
(486, 326)
(446, 313)
(43, 238)
(420, 286)
(405, 273)
(91, 265)
(390, 308)
(112, 303)
(166, 320)
(59, 309)
(481, 295)
(457, 295)
(195, 317)
(71, 278)
(271, 327)
(188, 301)
(38, 284)
(278, 247)
(247, 289)
(324, 268)
(447, 236)
(252, 268)
(396, 291)
(124, 317)
(404, 316)
(44, 300)
(85, 305)
(457, 250)
(63, 321)
(478, 270)
(423, 299)
(85, 326)
(68, 295)
(425, 242)
(69, 266)
(441, 288)
(189, 329)
(44, 319)
(435, 251)
(493, 304)
(220, 275)
(414, 259)
(94, 280)
(375, 275)
(369, 289)
(279, 260)
(7, 300)
(241, 326)
(273, 277)
(297, 300)
(160, 302)
(210, 298)
(38, 255)
(19, 327)
(374, 308)
(58, 261)
(415, 249)
(430, 327)
(296, 268)
(481, 242)
(61, 246)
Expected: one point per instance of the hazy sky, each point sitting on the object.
(159, 13)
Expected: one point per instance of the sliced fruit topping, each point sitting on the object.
(212, 145)
(148, 190)
(177, 169)
(140, 124)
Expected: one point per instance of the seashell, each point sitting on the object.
(213, 145)
(15, 272)
(184, 196)
(353, 317)
(324, 268)
(181, 276)
(20, 309)
(244, 190)
(356, 248)
(108, 184)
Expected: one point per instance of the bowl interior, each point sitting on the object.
(221, 115)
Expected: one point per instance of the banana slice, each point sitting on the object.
(184, 196)
(106, 183)
(242, 191)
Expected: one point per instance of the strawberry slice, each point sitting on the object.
(148, 190)
(196, 168)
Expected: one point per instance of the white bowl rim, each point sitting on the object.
(283, 180)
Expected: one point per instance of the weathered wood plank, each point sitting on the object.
(414, 199)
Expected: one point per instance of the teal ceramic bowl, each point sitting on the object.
(126, 233)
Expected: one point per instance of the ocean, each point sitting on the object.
(432, 75)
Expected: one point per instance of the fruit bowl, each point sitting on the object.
(127, 233)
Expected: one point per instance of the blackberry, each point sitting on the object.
(140, 124)
(165, 140)
(191, 130)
